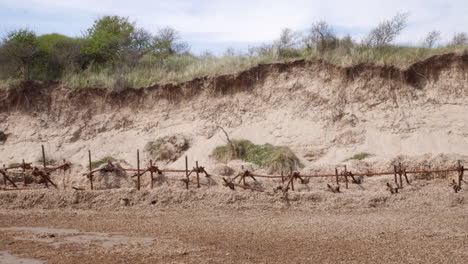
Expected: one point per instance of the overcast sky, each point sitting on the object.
(216, 25)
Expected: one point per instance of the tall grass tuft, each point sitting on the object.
(359, 156)
(273, 158)
(105, 160)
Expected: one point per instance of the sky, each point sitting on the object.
(216, 25)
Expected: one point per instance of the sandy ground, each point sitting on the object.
(245, 236)
(425, 223)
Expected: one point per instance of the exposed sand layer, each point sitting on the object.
(325, 113)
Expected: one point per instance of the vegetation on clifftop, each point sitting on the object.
(114, 53)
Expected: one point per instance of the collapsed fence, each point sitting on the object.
(42, 175)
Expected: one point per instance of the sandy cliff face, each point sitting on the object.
(324, 113)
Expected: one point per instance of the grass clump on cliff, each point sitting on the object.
(359, 156)
(273, 158)
(105, 160)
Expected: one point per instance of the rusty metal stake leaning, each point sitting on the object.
(197, 172)
(6, 178)
(25, 182)
(90, 175)
(138, 169)
(460, 174)
(44, 163)
(346, 176)
(151, 173)
(186, 173)
(336, 173)
(400, 173)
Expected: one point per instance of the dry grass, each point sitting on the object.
(98, 163)
(273, 158)
(151, 70)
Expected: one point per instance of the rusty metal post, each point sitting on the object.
(25, 182)
(292, 181)
(151, 173)
(406, 176)
(336, 173)
(198, 176)
(43, 157)
(90, 169)
(400, 172)
(44, 163)
(138, 169)
(186, 173)
(460, 173)
(282, 178)
(346, 176)
(396, 178)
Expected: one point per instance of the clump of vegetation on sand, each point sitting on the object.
(273, 158)
(359, 156)
(104, 160)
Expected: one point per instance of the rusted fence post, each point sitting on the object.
(44, 163)
(138, 169)
(186, 173)
(346, 176)
(6, 178)
(395, 174)
(400, 173)
(292, 181)
(460, 173)
(336, 173)
(198, 176)
(406, 176)
(90, 169)
(25, 182)
(151, 173)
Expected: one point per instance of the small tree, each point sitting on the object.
(431, 39)
(321, 37)
(263, 50)
(21, 51)
(68, 52)
(167, 42)
(140, 43)
(459, 39)
(109, 37)
(59, 52)
(386, 32)
(287, 42)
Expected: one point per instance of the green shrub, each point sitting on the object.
(273, 158)
(19, 53)
(106, 159)
(359, 156)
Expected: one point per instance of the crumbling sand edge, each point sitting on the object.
(38, 95)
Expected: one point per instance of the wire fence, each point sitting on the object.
(42, 174)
